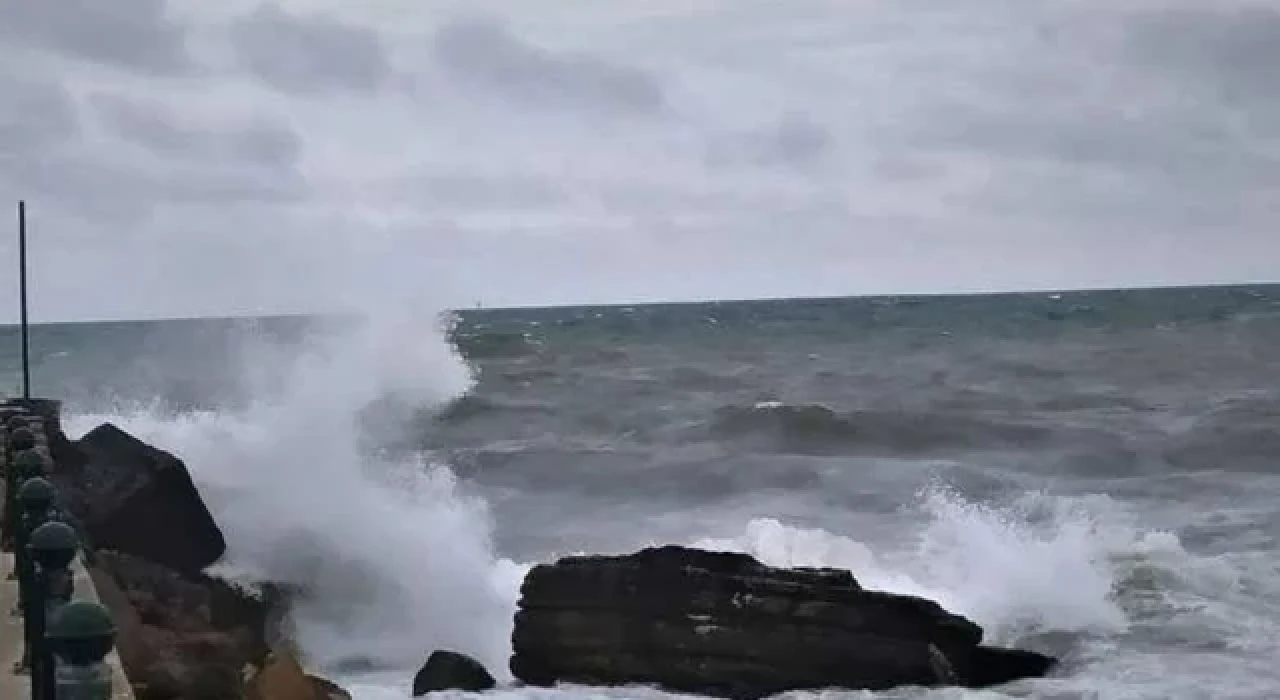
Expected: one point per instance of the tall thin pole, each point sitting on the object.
(22, 295)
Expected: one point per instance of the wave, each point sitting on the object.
(396, 555)
(471, 406)
(1238, 434)
(494, 344)
(815, 429)
(399, 557)
(1073, 576)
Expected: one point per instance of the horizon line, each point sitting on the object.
(672, 302)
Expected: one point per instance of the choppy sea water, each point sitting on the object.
(1090, 474)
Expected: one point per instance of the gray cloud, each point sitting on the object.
(34, 116)
(793, 140)
(117, 190)
(175, 163)
(1232, 52)
(477, 190)
(801, 149)
(153, 126)
(485, 54)
(309, 53)
(1185, 150)
(135, 34)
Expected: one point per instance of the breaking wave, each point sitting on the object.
(818, 429)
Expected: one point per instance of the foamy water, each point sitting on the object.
(399, 556)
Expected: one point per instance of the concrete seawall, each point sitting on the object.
(17, 686)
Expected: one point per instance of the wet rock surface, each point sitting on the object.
(723, 624)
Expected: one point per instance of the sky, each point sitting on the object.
(188, 158)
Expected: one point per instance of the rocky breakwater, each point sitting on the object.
(147, 538)
(725, 625)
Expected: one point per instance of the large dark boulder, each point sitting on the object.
(148, 536)
(448, 670)
(130, 497)
(723, 624)
(181, 635)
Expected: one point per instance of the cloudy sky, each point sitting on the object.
(306, 154)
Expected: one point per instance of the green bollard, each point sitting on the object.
(53, 546)
(80, 635)
(25, 465)
(37, 498)
(35, 502)
(20, 438)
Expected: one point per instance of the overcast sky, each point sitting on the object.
(196, 158)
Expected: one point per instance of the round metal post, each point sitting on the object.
(23, 466)
(53, 546)
(20, 439)
(36, 498)
(81, 634)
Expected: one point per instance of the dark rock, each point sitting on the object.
(983, 666)
(148, 536)
(447, 670)
(326, 689)
(180, 635)
(726, 625)
(282, 678)
(130, 497)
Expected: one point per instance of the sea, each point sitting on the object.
(1095, 474)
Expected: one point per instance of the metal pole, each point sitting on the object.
(22, 292)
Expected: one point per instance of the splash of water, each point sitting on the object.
(395, 556)
(1042, 564)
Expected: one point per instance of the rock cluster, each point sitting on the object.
(147, 537)
(723, 624)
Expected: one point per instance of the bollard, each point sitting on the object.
(35, 501)
(36, 498)
(20, 438)
(26, 465)
(80, 635)
(53, 547)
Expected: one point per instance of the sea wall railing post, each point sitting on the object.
(65, 642)
(80, 635)
(53, 546)
(36, 499)
(23, 465)
(20, 439)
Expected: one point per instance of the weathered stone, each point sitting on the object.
(282, 678)
(327, 689)
(177, 632)
(447, 670)
(131, 497)
(984, 666)
(181, 635)
(726, 625)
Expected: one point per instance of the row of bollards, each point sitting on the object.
(64, 641)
